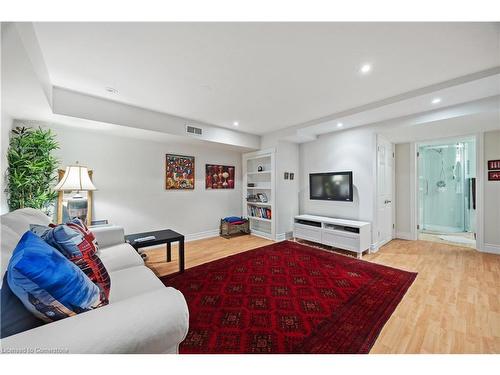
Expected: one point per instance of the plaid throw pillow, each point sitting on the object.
(77, 243)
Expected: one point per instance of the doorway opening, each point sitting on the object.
(447, 191)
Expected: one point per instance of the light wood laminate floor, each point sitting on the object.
(452, 307)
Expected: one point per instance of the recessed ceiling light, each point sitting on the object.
(339, 124)
(236, 123)
(111, 90)
(436, 100)
(365, 68)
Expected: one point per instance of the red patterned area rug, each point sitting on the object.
(288, 298)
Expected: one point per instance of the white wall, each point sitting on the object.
(350, 150)
(491, 194)
(5, 125)
(287, 191)
(5, 133)
(403, 191)
(129, 175)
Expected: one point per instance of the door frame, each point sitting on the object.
(378, 244)
(414, 146)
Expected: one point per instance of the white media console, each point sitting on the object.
(344, 234)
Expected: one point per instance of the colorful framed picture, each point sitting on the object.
(494, 176)
(219, 176)
(494, 165)
(179, 172)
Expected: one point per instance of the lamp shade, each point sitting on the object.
(76, 177)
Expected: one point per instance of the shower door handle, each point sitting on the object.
(426, 187)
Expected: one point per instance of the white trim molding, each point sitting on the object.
(202, 235)
(413, 192)
(284, 236)
(374, 247)
(405, 236)
(281, 237)
(491, 248)
(480, 185)
(257, 233)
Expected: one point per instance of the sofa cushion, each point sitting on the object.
(78, 244)
(119, 257)
(108, 235)
(131, 282)
(47, 283)
(20, 220)
(8, 242)
(15, 318)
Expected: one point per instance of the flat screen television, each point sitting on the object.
(332, 186)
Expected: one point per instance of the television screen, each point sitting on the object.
(333, 186)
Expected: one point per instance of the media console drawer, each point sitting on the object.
(340, 240)
(307, 232)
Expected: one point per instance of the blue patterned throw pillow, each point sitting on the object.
(78, 244)
(47, 283)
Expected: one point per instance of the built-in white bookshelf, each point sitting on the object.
(261, 214)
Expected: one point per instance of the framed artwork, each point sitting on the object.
(219, 176)
(494, 176)
(262, 197)
(68, 208)
(179, 172)
(494, 165)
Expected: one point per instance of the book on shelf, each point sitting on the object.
(260, 212)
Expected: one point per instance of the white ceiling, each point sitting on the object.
(450, 97)
(266, 76)
(23, 100)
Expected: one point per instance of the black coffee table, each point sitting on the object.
(166, 236)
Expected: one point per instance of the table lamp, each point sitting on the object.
(76, 178)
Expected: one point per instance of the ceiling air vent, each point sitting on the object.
(193, 130)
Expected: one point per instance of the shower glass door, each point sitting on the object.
(445, 175)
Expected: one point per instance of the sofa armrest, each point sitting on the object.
(155, 322)
(108, 235)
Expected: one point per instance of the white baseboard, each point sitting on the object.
(202, 235)
(404, 236)
(490, 248)
(374, 247)
(258, 233)
(280, 237)
(284, 236)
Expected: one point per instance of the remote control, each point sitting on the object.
(142, 239)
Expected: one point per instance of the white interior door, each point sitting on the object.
(385, 181)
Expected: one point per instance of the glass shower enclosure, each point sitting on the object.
(447, 177)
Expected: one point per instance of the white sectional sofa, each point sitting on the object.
(143, 316)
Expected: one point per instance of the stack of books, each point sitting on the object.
(261, 212)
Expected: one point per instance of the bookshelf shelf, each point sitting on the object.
(261, 204)
(259, 218)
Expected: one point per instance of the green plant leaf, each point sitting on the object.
(32, 168)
